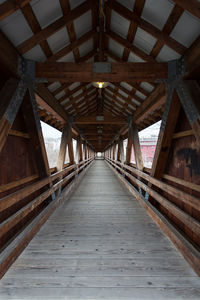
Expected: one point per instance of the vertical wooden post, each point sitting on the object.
(118, 151)
(129, 147)
(85, 150)
(136, 147)
(70, 145)
(114, 150)
(63, 147)
(80, 151)
(121, 149)
(77, 155)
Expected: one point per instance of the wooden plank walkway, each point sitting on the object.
(100, 245)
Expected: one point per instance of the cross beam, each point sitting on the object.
(115, 72)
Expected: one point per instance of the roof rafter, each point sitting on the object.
(54, 27)
(193, 6)
(148, 27)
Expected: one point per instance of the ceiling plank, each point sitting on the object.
(193, 6)
(154, 31)
(75, 44)
(129, 46)
(35, 27)
(93, 120)
(169, 26)
(152, 103)
(70, 27)
(54, 27)
(9, 7)
(138, 8)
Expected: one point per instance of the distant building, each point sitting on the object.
(148, 147)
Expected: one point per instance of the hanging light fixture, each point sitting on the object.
(100, 85)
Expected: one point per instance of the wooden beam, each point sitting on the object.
(50, 104)
(129, 46)
(129, 147)
(32, 21)
(75, 44)
(137, 148)
(138, 8)
(32, 121)
(54, 27)
(170, 117)
(9, 7)
(155, 100)
(79, 156)
(94, 120)
(63, 148)
(70, 145)
(154, 31)
(172, 20)
(11, 97)
(68, 72)
(193, 6)
(65, 5)
(189, 93)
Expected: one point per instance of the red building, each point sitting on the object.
(148, 147)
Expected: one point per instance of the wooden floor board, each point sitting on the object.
(100, 244)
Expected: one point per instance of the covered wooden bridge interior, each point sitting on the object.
(114, 232)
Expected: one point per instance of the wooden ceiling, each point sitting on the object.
(97, 31)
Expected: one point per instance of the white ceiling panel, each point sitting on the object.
(126, 86)
(61, 94)
(35, 54)
(140, 95)
(127, 3)
(157, 12)
(148, 87)
(83, 24)
(116, 48)
(111, 85)
(74, 85)
(186, 30)
(67, 58)
(75, 3)
(135, 102)
(86, 47)
(77, 93)
(46, 11)
(123, 94)
(58, 40)
(120, 99)
(144, 41)
(119, 24)
(65, 101)
(134, 58)
(167, 54)
(16, 28)
(52, 87)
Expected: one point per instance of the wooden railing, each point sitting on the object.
(13, 245)
(141, 186)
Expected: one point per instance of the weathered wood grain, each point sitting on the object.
(100, 245)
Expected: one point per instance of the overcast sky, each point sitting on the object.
(151, 130)
(49, 131)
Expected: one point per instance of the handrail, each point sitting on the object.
(23, 212)
(11, 199)
(173, 191)
(189, 221)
